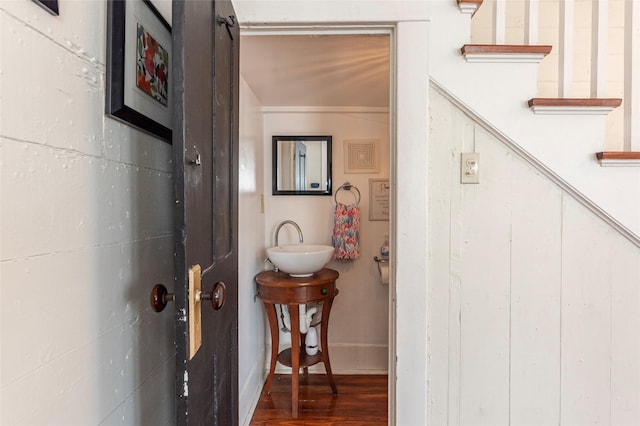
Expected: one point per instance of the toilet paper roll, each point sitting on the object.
(384, 272)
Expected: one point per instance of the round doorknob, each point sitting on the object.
(159, 297)
(218, 296)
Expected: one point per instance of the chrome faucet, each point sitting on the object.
(290, 222)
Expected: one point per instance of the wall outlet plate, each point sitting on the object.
(470, 167)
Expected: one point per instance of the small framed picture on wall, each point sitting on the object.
(139, 78)
(379, 192)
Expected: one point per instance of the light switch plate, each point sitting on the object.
(195, 316)
(470, 167)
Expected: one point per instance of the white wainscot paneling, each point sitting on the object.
(535, 297)
(56, 200)
(93, 337)
(625, 338)
(452, 133)
(485, 290)
(586, 318)
(86, 232)
(534, 300)
(68, 29)
(63, 102)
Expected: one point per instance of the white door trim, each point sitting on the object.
(408, 112)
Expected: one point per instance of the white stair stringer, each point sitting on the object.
(497, 93)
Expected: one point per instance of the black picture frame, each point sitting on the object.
(275, 165)
(117, 81)
(50, 6)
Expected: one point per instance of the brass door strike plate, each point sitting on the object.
(195, 315)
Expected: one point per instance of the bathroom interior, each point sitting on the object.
(336, 87)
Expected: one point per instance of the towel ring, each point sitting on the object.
(347, 187)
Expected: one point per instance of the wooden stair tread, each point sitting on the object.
(618, 155)
(505, 49)
(574, 106)
(576, 102)
(618, 158)
(478, 2)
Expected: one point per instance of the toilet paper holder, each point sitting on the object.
(380, 260)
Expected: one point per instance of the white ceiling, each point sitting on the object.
(317, 70)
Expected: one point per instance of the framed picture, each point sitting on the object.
(50, 6)
(379, 192)
(139, 79)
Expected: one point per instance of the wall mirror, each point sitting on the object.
(301, 165)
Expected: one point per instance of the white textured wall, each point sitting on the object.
(362, 304)
(251, 318)
(534, 301)
(87, 230)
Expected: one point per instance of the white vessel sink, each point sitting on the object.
(300, 260)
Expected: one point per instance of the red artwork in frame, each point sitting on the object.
(139, 67)
(151, 66)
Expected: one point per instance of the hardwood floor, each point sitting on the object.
(361, 400)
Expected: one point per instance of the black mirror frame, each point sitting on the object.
(274, 165)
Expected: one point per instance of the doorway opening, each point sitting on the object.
(336, 81)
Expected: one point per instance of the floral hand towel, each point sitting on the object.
(346, 232)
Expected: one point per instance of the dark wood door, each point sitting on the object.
(205, 139)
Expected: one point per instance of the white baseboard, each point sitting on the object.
(250, 394)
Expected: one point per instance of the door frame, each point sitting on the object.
(391, 31)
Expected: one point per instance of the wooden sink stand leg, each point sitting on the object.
(270, 309)
(326, 310)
